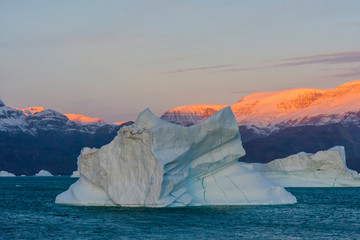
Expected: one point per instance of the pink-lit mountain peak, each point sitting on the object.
(194, 108)
(292, 107)
(279, 101)
(83, 119)
(191, 114)
(346, 89)
(30, 110)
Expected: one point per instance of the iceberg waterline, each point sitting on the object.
(322, 169)
(154, 163)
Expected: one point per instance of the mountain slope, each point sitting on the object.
(267, 112)
(35, 138)
(191, 114)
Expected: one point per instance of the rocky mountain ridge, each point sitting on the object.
(35, 138)
(31, 120)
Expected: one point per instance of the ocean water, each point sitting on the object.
(28, 211)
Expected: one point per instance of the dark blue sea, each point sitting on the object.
(28, 211)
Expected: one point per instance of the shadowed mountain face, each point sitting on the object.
(53, 150)
(33, 139)
(309, 139)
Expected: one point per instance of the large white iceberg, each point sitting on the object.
(43, 173)
(154, 163)
(322, 169)
(5, 173)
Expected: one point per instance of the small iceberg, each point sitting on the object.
(6, 174)
(43, 173)
(154, 163)
(322, 169)
(75, 174)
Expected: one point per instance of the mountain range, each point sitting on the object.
(35, 138)
(268, 112)
(277, 124)
(272, 125)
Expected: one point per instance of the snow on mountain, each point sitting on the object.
(30, 110)
(338, 105)
(270, 111)
(262, 109)
(190, 114)
(31, 120)
(120, 123)
(81, 119)
(11, 120)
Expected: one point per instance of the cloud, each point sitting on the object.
(202, 68)
(331, 58)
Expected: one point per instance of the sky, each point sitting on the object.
(113, 59)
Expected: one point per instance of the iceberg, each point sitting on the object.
(322, 169)
(75, 174)
(5, 173)
(154, 163)
(43, 173)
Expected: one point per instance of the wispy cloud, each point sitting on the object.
(202, 68)
(331, 58)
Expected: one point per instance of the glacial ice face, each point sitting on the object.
(322, 169)
(154, 163)
(43, 173)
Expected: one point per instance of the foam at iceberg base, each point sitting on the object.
(322, 169)
(154, 163)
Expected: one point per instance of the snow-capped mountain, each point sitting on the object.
(267, 112)
(33, 119)
(190, 114)
(81, 119)
(35, 138)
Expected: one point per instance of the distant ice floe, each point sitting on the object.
(322, 169)
(75, 174)
(43, 173)
(6, 174)
(154, 163)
